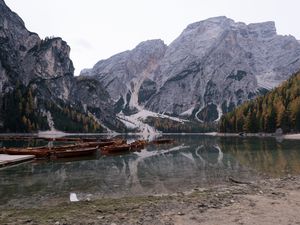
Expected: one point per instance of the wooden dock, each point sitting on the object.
(8, 160)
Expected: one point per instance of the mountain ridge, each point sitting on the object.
(213, 66)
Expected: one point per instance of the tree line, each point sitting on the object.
(170, 126)
(70, 119)
(19, 111)
(280, 108)
(22, 111)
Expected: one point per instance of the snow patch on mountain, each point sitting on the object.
(196, 114)
(136, 121)
(49, 120)
(188, 112)
(136, 85)
(220, 113)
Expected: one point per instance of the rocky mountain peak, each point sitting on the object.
(10, 21)
(265, 29)
(53, 59)
(9, 15)
(149, 44)
(222, 21)
(213, 65)
(122, 74)
(217, 63)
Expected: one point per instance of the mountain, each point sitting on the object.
(38, 90)
(280, 108)
(213, 66)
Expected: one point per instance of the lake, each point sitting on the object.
(193, 161)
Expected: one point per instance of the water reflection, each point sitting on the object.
(20, 143)
(265, 155)
(192, 161)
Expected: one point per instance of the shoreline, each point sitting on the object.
(295, 136)
(266, 201)
(292, 136)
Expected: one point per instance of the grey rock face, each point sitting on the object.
(220, 62)
(123, 74)
(147, 89)
(211, 67)
(25, 57)
(50, 59)
(45, 66)
(15, 41)
(89, 93)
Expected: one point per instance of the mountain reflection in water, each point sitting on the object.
(193, 161)
(265, 155)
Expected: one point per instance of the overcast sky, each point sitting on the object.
(97, 29)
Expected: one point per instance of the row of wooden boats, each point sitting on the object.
(111, 146)
(134, 146)
(62, 151)
(42, 153)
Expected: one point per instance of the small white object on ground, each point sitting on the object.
(73, 197)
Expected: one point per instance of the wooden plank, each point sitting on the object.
(7, 160)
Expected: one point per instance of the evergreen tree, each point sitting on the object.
(279, 108)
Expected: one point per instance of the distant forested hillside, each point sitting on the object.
(280, 108)
(22, 111)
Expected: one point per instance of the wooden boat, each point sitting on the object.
(115, 148)
(74, 146)
(52, 148)
(2, 150)
(77, 149)
(39, 153)
(74, 153)
(162, 141)
(107, 139)
(99, 144)
(57, 151)
(67, 139)
(119, 148)
(119, 141)
(89, 144)
(138, 145)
